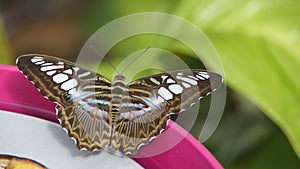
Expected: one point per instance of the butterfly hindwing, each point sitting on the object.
(88, 132)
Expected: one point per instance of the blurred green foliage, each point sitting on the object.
(258, 43)
(5, 51)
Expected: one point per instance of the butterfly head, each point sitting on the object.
(119, 78)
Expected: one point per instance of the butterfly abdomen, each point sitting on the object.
(118, 92)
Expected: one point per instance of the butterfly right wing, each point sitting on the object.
(154, 100)
(82, 97)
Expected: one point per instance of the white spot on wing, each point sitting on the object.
(186, 85)
(154, 81)
(58, 78)
(84, 74)
(175, 88)
(75, 141)
(47, 64)
(69, 84)
(187, 80)
(139, 146)
(193, 77)
(170, 80)
(46, 68)
(200, 77)
(163, 77)
(204, 74)
(163, 92)
(36, 59)
(50, 73)
(68, 71)
(190, 81)
(40, 62)
(75, 69)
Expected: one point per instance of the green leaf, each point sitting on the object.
(258, 43)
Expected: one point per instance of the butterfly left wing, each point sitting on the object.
(82, 97)
(154, 99)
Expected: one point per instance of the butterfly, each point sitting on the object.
(118, 117)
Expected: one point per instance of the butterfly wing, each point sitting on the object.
(154, 99)
(179, 90)
(82, 97)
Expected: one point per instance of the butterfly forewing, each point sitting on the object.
(177, 90)
(57, 78)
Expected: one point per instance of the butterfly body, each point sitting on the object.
(119, 117)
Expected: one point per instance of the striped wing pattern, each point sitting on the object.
(162, 95)
(116, 116)
(72, 88)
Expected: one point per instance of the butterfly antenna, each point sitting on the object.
(106, 59)
(138, 56)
